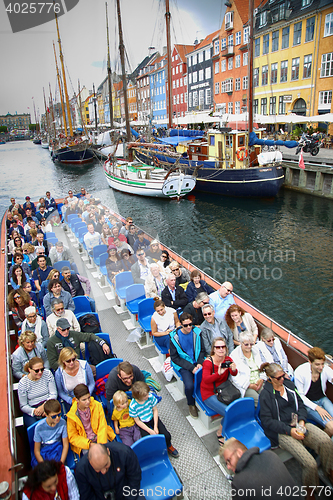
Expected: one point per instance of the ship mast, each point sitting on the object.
(52, 112)
(251, 38)
(122, 60)
(109, 68)
(169, 93)
(46, 115)
(64, 80)
(60, 92)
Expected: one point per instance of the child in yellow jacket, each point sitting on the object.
(86, 423)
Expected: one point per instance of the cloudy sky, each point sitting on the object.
(27, 59)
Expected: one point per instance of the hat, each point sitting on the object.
(63, 323)
(154, 242)
(141, 232)
(27, 198)
(112, 247)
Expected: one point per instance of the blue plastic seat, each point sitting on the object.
(97, 251)
(81, 233)
(163, 350)
(197, 394)
(159, 479)
(82, 304)
(78, 226)
(123, 280)
(60, 264)
(51, 241)
(134, 294)
(102, 260)
(104, 336)
(103, 369)
(239, 422)
(71, 460)
(145, 312)
(70, 217)
(50, 235)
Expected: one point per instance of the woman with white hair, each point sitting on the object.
(271, 350)
(36, 324)
(247, 358)
(155, 281)
(28, 349)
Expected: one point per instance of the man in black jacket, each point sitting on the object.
(173, 295)
(71, 282)
(257, 475)
(110, 472)
(121, 378)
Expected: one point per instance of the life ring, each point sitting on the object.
(156, 161)
(242, 153)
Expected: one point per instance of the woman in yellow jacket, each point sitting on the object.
(86, 423)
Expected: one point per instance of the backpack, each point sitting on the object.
(96, 353)
(89, 323)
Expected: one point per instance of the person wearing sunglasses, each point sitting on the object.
(247, 358)
(221, 299)
(254, 471)
(240, 321)
(18, 300)
(271, 350)
(71, 372)
(212, 328)
(187, 355)
(141, 268)
(50, 436)
(34, 389)
(283, 418)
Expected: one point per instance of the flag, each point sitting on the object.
(301, 160)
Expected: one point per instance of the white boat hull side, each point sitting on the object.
(151, 188)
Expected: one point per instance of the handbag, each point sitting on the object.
(226, 392)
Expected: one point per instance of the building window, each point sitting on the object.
(223, 65)
(208, 73)
(201, 97)
(229, 85)
(327, 64)
(285, 37)
(245, 58)
(223, 43)
(230, 40)
(189, 60)
(185, 97)
(305, 3)
(282, 106)
(265, 44)
(238, 61)
(246, 34)
(208, 97)
(181, 98)
(275, 41)
(195, 76)
(264, 106)
(295, 69)
(272, 105)
(177, 84)
(284, 71)
(325, 97)
(262, 18)
(207, 54)
(217, 67)
(238, 37)
(307, 66)
(181, 82)
(256, 77)
(216, 46)
(257, 47)
(237, 107)
(201, 75)
(264, 75)
(217, 88)
(237, 84)
(195, 99)
(228, 20)
(173, 84)
(177, 98)
(309, 30)
(328, 24)
(230, 62)
(245, 82)
(189, 100)
(190, 79)
(223, 87)
(230, 108)
(194, 59)
(297, 33)
(200, 57)
(274, 70)
(185, 81)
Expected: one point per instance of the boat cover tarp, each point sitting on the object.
(134, 132)
(174, 141)
(253, 139)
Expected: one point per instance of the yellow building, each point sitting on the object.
(289, 46)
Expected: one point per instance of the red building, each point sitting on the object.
(179, 79)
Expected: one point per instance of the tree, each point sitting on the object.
(3, 129)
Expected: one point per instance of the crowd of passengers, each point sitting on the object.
(197, 327)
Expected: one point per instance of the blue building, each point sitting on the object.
(158, 95)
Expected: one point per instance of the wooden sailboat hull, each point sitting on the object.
(254, 182)
(73, 156)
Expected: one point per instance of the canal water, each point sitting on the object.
(277, 253)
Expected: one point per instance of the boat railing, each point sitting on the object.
(9, 465)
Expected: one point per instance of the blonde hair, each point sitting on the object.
(66, 353)
(119, 398)
(52, 273)
(27, 335)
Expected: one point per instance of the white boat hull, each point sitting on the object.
(175, 186)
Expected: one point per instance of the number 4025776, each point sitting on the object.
(302, 491)
(33, 8)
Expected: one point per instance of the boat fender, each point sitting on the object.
(242, 153)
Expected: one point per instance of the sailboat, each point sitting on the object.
(226, 162)
(136, 177)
